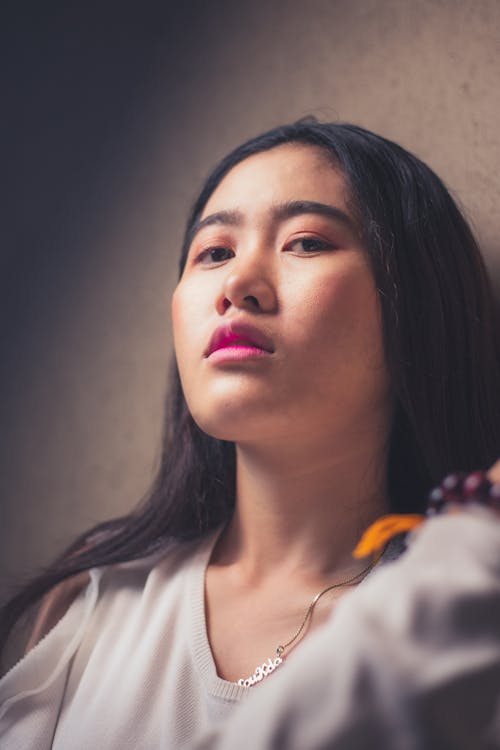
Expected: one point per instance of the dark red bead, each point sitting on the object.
(476, 486)
(451, 487)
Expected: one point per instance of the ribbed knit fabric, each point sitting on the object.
(129, 666)
(410, 660)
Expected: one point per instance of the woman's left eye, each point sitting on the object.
(309, 245)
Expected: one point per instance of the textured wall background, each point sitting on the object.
(115, 115)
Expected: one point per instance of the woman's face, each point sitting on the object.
(278, 249)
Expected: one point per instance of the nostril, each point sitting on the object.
(253, 299)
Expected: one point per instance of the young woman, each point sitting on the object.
(334, 359)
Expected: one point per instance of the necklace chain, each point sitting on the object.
(310, 609)
(268, 667)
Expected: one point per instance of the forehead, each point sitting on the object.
(284, 173)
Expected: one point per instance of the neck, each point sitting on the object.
(301, 508)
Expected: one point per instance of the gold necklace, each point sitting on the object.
(265, 669)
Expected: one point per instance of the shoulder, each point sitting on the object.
(128, 579)
(54, 606)
(445, 580)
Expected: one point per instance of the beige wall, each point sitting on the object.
(85, 359)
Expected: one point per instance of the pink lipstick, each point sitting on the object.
(238, 341)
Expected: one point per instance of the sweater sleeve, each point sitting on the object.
(409, 661)
(32, 691)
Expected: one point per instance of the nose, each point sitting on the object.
(249, 284)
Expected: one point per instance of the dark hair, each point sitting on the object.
(437, 315)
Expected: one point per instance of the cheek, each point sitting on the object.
(343, 320)
(336, 304)
(182, 328)
(176, 310)
(175, 314)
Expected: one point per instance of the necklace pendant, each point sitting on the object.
(263, 671)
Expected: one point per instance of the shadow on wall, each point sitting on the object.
(116, 114)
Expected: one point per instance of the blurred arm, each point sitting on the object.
(409, 661)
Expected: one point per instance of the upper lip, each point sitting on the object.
(234, 332)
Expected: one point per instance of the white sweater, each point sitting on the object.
(414, 650)
(410, 660)
(128, 666)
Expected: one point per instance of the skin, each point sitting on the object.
(310, 440)
(311, 421)
(494, 472)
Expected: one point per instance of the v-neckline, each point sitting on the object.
(201, 649)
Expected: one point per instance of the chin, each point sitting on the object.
(232, 427)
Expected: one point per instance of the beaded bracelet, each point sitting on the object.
(455, 490)
(460, 488)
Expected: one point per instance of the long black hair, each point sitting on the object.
(437, 316)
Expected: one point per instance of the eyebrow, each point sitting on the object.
(280, 212)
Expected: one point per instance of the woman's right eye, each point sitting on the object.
(213, 255)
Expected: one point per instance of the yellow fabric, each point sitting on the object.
(384, 528)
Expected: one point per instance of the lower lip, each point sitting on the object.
(237, 353)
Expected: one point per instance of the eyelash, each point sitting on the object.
(321, 245)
